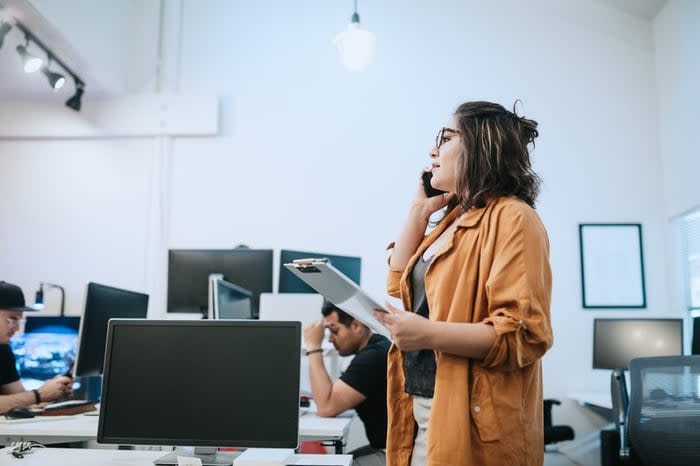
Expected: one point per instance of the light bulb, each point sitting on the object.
(355, 47)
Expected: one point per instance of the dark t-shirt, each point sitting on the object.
(367, 374)
(8, 369)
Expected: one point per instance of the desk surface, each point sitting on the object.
(81, 427)
(92, 457)
(601, 399)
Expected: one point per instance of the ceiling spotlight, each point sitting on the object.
(75, 101)
(4, 29)
(31, 63)
(56, 80)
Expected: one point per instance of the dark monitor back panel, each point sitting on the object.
(46, 348)
(201, 383)
(233, 302)
(695, 344)
(289, 283)
(102, 303)
(617, 341)
(189, 270)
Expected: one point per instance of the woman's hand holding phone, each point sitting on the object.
(428, 187)
(430, 199)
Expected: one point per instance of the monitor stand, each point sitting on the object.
(210, 456)
(620, 408)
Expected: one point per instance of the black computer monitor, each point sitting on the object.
(46, 348)
(189, 271)
(617, 341)
(289, 283)
(201, 383)
(102, 303)
(231, 301)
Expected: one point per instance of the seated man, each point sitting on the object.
(12, 392)
(361, 387)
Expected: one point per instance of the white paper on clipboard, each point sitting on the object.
(337, 288)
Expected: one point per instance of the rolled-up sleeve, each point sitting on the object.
(393, 279)
(518, 291)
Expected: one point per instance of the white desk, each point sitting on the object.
(602, 399)
(83, 427)
(88, 457)
(598, 402)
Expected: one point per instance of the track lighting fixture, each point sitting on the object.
(30, 62)
(75, 101)
(33, 63)
(56, 80)
(4, 29)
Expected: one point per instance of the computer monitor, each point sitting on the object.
(288, 283)
(189, 271)
(617, 341)
(201, 383)
(102, 303)
(231, 301)
(46, 348)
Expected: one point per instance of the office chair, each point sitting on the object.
(552, 433)
(664, 410)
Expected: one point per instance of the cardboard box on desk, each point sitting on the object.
(68, 408)
(264, 457)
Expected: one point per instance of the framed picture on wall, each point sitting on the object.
(612, 265)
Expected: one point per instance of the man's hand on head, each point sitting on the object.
(313, 335)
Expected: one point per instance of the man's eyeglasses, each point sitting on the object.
(443, 136)
(14, 321)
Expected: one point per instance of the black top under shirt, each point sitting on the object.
(419, 366)
(367, 374)
(8, 368)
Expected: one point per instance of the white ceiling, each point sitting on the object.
(15, 84)
(645, 9)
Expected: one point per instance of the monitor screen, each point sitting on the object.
(102, 303)
(46, 348)
(288, 283)
(208, 383)
(189, 270)
(231, 301)
(617, 341)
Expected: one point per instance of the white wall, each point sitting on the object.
(313, 157)
(676, 42)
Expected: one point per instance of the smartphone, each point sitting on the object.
(429, 190)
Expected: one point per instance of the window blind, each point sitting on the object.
(690, 242)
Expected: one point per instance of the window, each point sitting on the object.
(690, 243)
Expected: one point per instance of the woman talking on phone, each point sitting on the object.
(464, 373)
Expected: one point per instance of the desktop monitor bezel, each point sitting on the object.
(291, 384)
(287, 282)
(86, 364)
(251, 269)
(598, 362)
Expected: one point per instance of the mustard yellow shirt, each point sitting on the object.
(495, 270)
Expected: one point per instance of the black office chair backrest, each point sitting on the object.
(664, 414)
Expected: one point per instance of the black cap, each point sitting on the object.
(12, 298)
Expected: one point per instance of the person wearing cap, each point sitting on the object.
(12, 392)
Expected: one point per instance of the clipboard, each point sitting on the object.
(337, 288)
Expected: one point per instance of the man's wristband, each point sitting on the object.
(317, 350)
(37, 397)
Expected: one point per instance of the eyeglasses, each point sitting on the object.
(14, 321)
(443, 136)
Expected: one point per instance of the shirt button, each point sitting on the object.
(477, 409)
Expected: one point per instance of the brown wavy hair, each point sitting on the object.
(495, 160)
